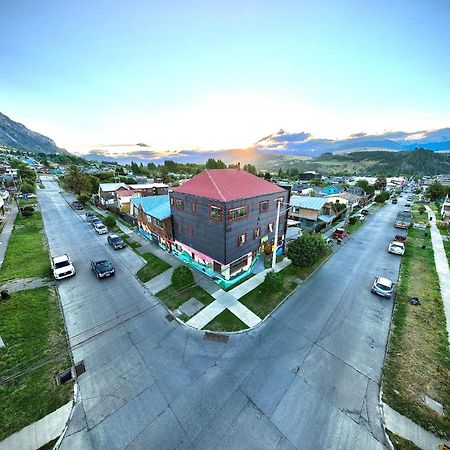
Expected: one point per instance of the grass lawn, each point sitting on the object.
(26, 255)
(154, 267)
(173, 298)
(355, 227)
(32, 328)
(418, 357)
(262, 302)
(401, 443)
(225, 321)
(126, 239)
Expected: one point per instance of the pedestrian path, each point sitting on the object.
(407, 429)
(123, 228)
(160, 282)
(10, 217)
(442, 269)
(39, 433)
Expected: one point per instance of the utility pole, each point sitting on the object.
(275, 239)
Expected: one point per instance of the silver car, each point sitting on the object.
(382, 286)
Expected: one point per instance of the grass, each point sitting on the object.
(225, 321)
(418, 356)
(262, 302)
(173, 298)
(26, 255)
(355, 227)
(32, 329)
(30, 201)
(239, 282)
(131, 244)
(401, 443)
(154, 267)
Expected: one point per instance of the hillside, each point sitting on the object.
(18, 136)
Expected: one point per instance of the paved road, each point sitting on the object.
(306, 378)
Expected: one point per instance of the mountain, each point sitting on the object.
(18, 136)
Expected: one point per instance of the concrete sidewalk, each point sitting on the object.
(39, 433)
(124, 229)
(442, 269)
(10, 217)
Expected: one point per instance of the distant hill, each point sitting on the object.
(18, 136)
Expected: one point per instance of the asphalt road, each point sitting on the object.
(306, 378)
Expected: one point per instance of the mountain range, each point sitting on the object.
(18, 136)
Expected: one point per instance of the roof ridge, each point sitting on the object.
(215, 185)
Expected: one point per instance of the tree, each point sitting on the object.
(421, 209)
(280, 173)
(352, 220)
(366, 187)
(182, 277)
(436, 191)
(380, 184)
(110, 221)
(307, 249)
(250, 168)
(28, 187)
(379, 198)
(273, 281)
(267, 176)
(213, 164)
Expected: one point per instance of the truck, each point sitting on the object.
(403, 220)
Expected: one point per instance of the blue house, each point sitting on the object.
(333, 189)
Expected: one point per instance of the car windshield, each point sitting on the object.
(383, 287)
(116, 240)
(60, 264)
(103, 265)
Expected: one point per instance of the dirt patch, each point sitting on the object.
(23, 284)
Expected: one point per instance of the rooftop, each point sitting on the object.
(111, 187)
(157, 206)
(227, 185)
(315, 203)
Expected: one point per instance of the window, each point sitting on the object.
(189, 231)
(242, 239)
(264, 206)
(193, 207)
(157, 222)
(238, 264)
(238, 213)
(257, 233)
(179, 204)
(270, 227)
(215, 212)
(171, 201)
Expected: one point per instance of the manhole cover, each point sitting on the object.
(80, 368)
(169, 317)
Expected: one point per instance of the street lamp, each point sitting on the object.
(275, 239)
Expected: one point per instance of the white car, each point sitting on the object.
(100, 228)
(382, 286)
(62, 267)
(361, 217)
(397, 248)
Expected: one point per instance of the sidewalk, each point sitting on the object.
(6, 232)
(39, 433)
(121, 226)
(406, 428)
(442, 269)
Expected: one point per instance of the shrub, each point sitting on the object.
(385, 195)
(352, 220)
(421, 209)
(28, 208)
(443, 225)
(109, 221)
(273, 281)
(307, 249)
(82, 198)
(339, 207)
(27, 213)
(379, 198)
(28, 187)
(182, 277)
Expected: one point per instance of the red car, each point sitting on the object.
(339, 233)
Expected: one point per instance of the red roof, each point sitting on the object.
(227, 184)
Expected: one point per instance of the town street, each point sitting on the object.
(306, 378)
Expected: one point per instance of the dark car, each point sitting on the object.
(115, 241)
(89, 216)
(102, 268)
(365, 211)
(95, 220)
(407, 205)
(78, 205)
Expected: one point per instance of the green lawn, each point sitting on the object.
(262, 302)
(418, 356)
(401, 443)
(32, 328)
(131, 244)
(26, 255)
(154, 267)
(173, 298)
(355, 227)
(225, 321)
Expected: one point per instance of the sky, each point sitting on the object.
(212, 75)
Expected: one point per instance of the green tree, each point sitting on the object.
(267, 176)
(273, 281)
(109, 221)
(436, 191)
(380, 184)
(421, 209)
(28, 187)
(250, 168)
(307, 249)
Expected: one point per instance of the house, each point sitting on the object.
(223, 219)
(333, 189)
(345, 198)
(445, 210)
(114, 194)
(154, 219)
(147, 189)
(312, 213)
(308, 175)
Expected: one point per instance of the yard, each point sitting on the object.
(26, 255)
(154, 267)
(225, 321)
(418, 357)
(35, 351)
(173, 298)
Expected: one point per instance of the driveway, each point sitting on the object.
(305, 378)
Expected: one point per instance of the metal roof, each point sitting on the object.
(315, 203)
(157, 206)
(111, 187)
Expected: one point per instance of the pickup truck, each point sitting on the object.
(62, 267)
(403, 221)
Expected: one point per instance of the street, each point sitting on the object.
(306, 378)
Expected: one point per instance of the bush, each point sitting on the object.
(385, 195)
(182, 277)
(379, 198)
(307, 249)
(83, 199)
(273, 281)
(28, 208)
(109, 221)
(421, 209)
(443, 225)
(352, 220)
(339, 207)
(27, 213)
(28, 187)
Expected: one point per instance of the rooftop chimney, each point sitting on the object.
(239, 166)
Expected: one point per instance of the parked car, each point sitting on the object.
(78, 205)
(95, 220)
(115, 241)
(100, 228)
(339, 233)
(382, 286)
(62, 267)
(361, 217)
(329, 242)
(365, 211)
(400, 238)
(89, 216)
(396, 248)
(102, 268)
(394, 201)
(407, 205)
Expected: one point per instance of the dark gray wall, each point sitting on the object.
(219, 240)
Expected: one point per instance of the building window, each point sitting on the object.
(171, 201)
(237, 213)
(157, 222)
(257, 233)
(189, 231)
(264, 206)
(270, 227)
(242, 239)
(193, 207)
(179, 204)
(238, 264)
(215, 212)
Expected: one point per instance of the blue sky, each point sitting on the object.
(222, 74)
